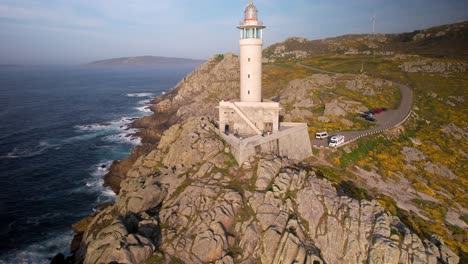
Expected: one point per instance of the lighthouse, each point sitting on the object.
(251, 124)
(250, 115)
(251, 43)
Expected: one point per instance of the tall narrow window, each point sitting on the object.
(248, 76)
(248, 59)
(248, 91)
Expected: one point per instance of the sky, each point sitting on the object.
(79, 31)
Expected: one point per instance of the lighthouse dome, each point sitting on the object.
(250, 12)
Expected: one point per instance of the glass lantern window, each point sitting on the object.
(249, 33)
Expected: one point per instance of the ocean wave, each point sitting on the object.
(144, 102)
(125, 138)
(96, 182)
(40, 252)
(116, 125)
(27, 151)
(140, 94)
(144, 109)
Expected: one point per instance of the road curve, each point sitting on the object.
(385, 120)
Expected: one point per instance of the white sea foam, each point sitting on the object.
(124, 138)
(144, 109)
(140, 94)
(96, 182)
(42, 251)
(144, 102)
(115, 125)
(163, 93)
(25, 151)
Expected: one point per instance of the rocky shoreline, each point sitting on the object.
(197, 94)
(182, 197)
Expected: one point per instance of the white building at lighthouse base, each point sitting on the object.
(253, 128)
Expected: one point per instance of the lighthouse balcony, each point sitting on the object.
(251, 23)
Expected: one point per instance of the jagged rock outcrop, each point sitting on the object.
(302, 98)
(197, 94)
(366, 85)
(413, 154)
(200, 91)
(433, 66)
(203, 207)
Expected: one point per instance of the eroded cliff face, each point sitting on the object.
(197, 94)
(200, 92)
(188, 200)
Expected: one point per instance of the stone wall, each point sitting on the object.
(238, 115)
(292, 141)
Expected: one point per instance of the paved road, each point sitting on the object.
(385, 120)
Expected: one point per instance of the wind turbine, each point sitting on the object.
(373, 24)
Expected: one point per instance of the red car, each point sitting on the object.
(378, 111)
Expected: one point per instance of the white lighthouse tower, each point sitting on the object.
(251, 43)
(251, 125)
(250, 115)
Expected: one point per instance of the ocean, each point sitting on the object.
(61, 127)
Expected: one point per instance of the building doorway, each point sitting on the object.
(268, 128)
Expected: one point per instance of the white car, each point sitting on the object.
(321, 135)
(336, 140)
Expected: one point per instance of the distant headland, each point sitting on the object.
(144, 60)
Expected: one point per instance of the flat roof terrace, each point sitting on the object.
(291, 140)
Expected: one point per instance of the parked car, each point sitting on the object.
(321, 135)
(369, 118)
(336, 140)
(377, 111)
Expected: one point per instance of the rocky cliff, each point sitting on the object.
(197, 94)
(187, 200)
(182, 197)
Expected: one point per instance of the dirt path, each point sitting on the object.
(385, 120)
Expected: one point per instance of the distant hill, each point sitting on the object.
(144, 60)
(9, 65)
(446, 41)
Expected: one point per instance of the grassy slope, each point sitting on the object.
(450, 45)
(432, 92)
(277, 75)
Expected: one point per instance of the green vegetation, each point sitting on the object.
(276, 76)
(186, 183)
(234, 251)
(436, 106)
(351, 190)
(157, 258)
(245, 213)
(363, 147)
(230, 162)
(388, 203)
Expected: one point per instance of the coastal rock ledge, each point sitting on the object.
(189, 201)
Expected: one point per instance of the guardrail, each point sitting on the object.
(374, 132)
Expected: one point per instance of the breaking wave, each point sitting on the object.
(140, 94)
(144, 109)
(96, 182)
(39, 252)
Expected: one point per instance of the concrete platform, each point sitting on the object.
(292, 140)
